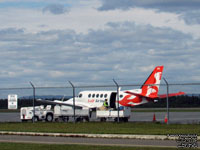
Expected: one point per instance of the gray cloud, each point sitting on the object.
(56, 9)
(162, 5)
(122, 51)
(189, 10)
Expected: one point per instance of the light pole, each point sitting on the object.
(167, 100)
(117, 99)
(73, 99)
(33, 101)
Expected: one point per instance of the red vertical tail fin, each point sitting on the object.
(151, 85)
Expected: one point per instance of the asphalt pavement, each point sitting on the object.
(87, 141)
(175, 117)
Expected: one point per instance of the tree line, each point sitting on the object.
(174, 102)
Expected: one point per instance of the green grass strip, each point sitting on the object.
(103, 128)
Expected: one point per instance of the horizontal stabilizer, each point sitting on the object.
(154, 97)
(171, 94)
(135, 94)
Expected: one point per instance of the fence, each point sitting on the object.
(191, 99)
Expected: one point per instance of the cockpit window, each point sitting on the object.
(80, 95)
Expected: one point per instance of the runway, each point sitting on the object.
(87, 141)
(175, 117)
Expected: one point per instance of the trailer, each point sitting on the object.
(63, 113)
(41, 113)
(108, 114)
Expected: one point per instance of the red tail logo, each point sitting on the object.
(151, 85)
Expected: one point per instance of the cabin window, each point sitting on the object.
(93, 95)
(97, 95)
(101, 95)
(105, 95)
(89, 95)
(121, 96)
(80, 95)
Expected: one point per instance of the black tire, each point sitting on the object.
(24, 120)
(79, 119)
(125, 119)
(57, 120)
(116, 119)
(65, 119)
(87, 119)
(103, 119)
(49, 118)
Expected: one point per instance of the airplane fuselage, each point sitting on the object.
(96, 98)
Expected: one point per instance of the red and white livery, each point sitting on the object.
(128, 98)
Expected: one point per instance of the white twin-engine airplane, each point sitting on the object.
(128, 98)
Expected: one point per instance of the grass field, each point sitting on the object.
(25, 146)
(103, 128)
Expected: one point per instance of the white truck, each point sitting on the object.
(124, 114)
(41, 113)
(59, 113)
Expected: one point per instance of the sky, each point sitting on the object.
(95, 41)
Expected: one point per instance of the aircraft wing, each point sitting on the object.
(57, 102)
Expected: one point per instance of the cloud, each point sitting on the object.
(87, 46)
(125, 51)
(56, 9)
(162, 5)
(188, 10)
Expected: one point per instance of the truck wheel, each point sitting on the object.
(103, 119)
(49, 117)
(79, 119)
(24, 120)
(87, 119)
(125, 119)
(35, 119)
(65, 119)
(56, 120)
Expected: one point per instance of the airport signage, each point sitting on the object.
(12, 101)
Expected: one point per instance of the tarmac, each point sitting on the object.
(175, 117)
